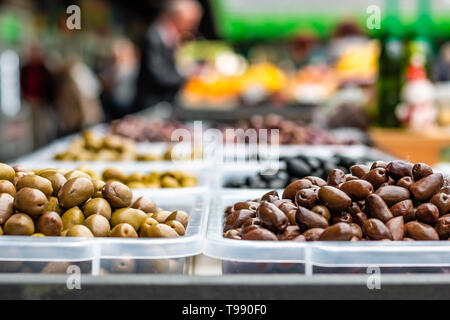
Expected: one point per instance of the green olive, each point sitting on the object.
(50, 224)
(170, 182)
(19, 225)
(98, 225)
(98, 206)
(123, 266)
(114, 174)
(53, 205)
(161, 216)
(7, 172)
(144, 204)
(79, 231)
(7, 187)
(145, 227)
(117, 194)
(56, 179)
(177, 226)
(161, 231)
(35, 182)
(180, 216)
(6, 207)
(123, 230)
(72, 218)
(76, 174)
(131, 216)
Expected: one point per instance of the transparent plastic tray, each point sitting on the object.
(240, 256)
(113, 255)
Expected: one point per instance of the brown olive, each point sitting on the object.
(271, 196)
(421, 170)
(30, 201)
(306, 198)
(307, 219)
(50, 224)
(272, 217)
(393, 194)
(292, 189)
(443, 227)
(249, 205)
(260, 234)
(232, 234)
(376, 177)
(377, 208)
(379, 164)
(357, 231)
(334, 199)
(357, 189)
(359, 170)
(442, 202)
(323, 211)
(316, 181)
(337, 232)
(427, 213)
(290, 233)
(421, 232)
(405, 182)
(399, 169)
(376, 230)
(397, 228)
(336, 177)
(313, 234)
(426, 187)
(342, 217)
(75, 192)
(405, 209)
(237, 218)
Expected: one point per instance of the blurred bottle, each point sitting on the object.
(391, 68)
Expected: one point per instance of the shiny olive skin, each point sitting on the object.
(316, 181)
(98, 225)
(377, 208)
(306, 198)
(442, 202)
(6, 207)
(7, 173)
(379, 164)
(376, 230)
(123, 230)
(356, 230)
(30, 201)
(19, 225)
(421, 170)
(336, 177)
(344, 217)
(97, 206)
(161, 216)
(249, 205)
(334, 199)
(117, 194)
(131, 216)
(393, 194)
(376, 177)
(397, 228)
(144, 204)
(323, 211)
(72, 217)
(271, 196)
(292, 189)
(237, 218)
(50, 224)
(427, 213)
(399, 169)
(177, 226)
(56, 179)
(337, 232)
(307, 219)
(357, 189)
(421, 232)
(180, 216)
(443, 227)
(75, 192)
(161, 231)
(425, 188)
(7, 187)
(252, 222)
(79, 231)
(260, 234)
(404, 208)
(313, 234)
(232, 234)
(405, 182)
(272, 217)
(290, 233)
(359, 170)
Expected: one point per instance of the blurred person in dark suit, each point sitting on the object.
(159, 79)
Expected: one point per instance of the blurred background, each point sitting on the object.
(324, 72)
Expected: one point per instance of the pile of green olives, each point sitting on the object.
(58, 202)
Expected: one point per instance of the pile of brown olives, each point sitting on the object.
(57, 202)
(396, 201)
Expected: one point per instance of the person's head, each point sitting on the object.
(185, 15)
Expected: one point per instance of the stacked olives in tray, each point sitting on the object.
(296, 168)
(70, 203)
(396, 201)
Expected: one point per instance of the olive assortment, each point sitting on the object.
(396, 201)
(66, 203)
(297, 168)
